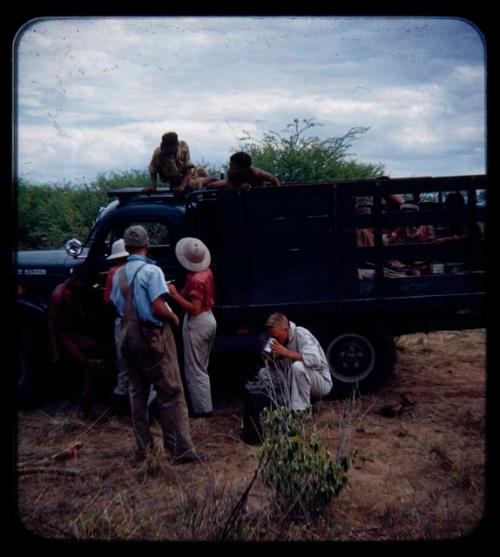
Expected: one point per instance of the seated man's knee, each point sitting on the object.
(298, 369)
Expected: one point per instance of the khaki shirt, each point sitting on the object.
(166, 167)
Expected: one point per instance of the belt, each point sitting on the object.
(151, 325)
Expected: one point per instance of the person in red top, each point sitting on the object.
(119, 256)
(120, 394)
(199, 326)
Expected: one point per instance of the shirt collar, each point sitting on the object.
(136, 257)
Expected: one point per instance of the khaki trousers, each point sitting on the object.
(161, 371)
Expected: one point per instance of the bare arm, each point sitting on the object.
(192, 306)
(152, 177)
(154, 182)
(163, 312)
(218, 184)
(282, 351)
(53, 312)
(266, 176)
(185, 179)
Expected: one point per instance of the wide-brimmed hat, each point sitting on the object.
(118, 250)
(192, 254)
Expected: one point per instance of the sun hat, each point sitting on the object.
(118, 250)
(192, 254)
(136, 236)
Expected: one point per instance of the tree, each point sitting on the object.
(48, 215)
(296, 158)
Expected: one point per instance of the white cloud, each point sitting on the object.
(95, 95)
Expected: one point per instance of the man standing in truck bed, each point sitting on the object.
(172, 163)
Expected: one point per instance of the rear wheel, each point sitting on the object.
(360, 358)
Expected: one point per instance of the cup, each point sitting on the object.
(268, 347)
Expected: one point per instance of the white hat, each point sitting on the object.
(118, 250)
(192, 254)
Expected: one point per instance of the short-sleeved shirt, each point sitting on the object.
(200, 285)
(149, 285)
(168, 168)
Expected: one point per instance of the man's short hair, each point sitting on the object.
(277, 320)
(241, 159)
(170, 138)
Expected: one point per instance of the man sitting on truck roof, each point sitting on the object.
(171, 161)
(296, 366)
(243, 175)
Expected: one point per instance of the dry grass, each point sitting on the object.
(419, 475)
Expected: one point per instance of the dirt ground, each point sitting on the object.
(418, 474)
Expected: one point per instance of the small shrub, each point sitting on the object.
(301, 474)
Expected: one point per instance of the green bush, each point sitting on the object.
(48, 215)
(293, 157)
(301, 474)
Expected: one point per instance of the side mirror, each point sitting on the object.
(73, 247)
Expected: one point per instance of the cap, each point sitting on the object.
(136, 236)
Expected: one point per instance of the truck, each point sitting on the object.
(294, 249)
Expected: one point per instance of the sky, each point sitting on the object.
(94, 95)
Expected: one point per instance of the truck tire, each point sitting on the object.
(360, 358)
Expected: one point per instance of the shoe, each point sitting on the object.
(196, 415)
(193, 457)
